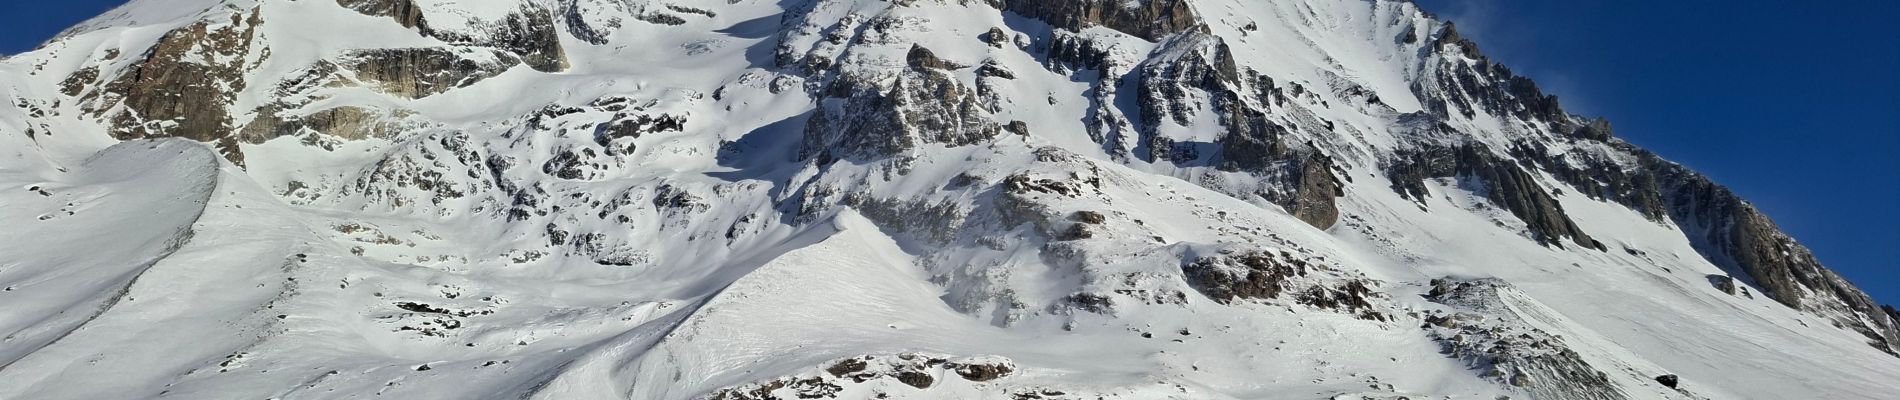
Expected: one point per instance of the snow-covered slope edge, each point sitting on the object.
(123, 210)
(920, 199)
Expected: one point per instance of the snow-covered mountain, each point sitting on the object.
(801, 199)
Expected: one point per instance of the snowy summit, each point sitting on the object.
(859, 199)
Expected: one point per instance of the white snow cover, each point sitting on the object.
(453, 260)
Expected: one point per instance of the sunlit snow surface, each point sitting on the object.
(156, 269)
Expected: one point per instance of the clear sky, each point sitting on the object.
(1793, 104)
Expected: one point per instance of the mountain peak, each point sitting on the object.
(860, 199)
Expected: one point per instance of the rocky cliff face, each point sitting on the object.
(527, 31)
(1739, 237)
(1498, 179)
(182, 84)
(871, 116)
(912, 199)
(1147, 19)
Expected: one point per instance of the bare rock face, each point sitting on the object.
(595, 21)
(1602, 177)
(1316, 191)
(1463, 83)
(916, 370)
(1731, 233)
(1503, 182)
(410, 73)
(983, 372)
(405, 12)
(1597, 129)
(1147, 19)
(422, 72)
(1266, 275)
(182, 85)
(864, 119)
(381, 70)
(1261, 275)
(923, 59)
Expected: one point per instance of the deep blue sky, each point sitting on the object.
(1794, 104)
(24, 24)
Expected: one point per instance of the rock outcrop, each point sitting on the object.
(1486, 332)
(182, 84)
(912, 370)
(404, 12)
(871, 115)
(1147, 19)
(529, 32)
(1013, 177)
(1266, 275)
(1499, 180)
(1737, 236)
(422, 72)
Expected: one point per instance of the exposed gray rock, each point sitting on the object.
(1738, 236)
(1602, 178)
(923, 59)
(529, 33)
(864, 119)
(1300, 177)
(79, 81)
(1147, 19)
(1455, 86)
(991, 69)
(995, 37)
(404, 12)
(349, 123)
(1597, 129)
(575, 14)
(1727, 230)
(911, 369)
(1502, 182)
(1265, 275)
(1728, 284)
(1668, 380)
(422, 72)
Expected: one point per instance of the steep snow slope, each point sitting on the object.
(757, 199)
(143, 197)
